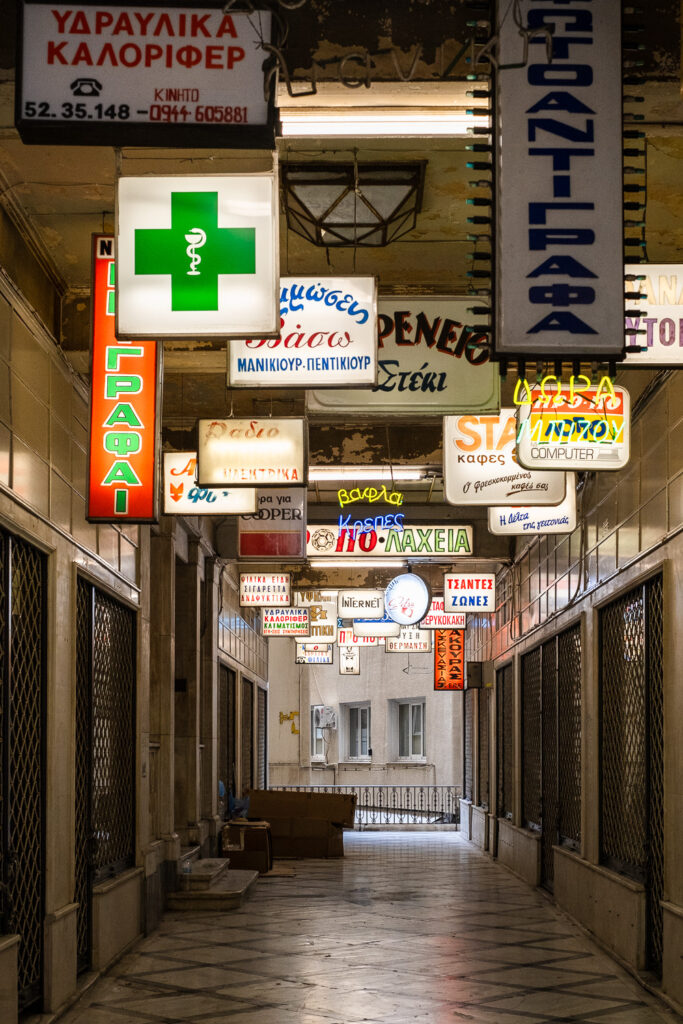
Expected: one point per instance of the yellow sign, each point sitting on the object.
(551, 391)
(369, 495)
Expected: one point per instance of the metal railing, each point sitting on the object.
(395, 805)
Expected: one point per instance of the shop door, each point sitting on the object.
(22, 758)
(226, 729)
(247, 744)
(262, 714)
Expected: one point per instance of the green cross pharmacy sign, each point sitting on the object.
(197, 257)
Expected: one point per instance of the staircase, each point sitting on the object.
(209, 884)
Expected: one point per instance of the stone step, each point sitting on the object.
(202, 874)
(227, 893)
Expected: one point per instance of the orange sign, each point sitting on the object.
(449, 659)
(122, 480)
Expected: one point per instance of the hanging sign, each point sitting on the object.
(348, 638)
(410, 640)
(124, 403)
(438, 541)
(182, 497)
(449, 659)
(589, 430)
(368, 604)
(438, 618)
(480, 464)
(369, 496)
(264, 589)
(658, 316)
(385, 626)
(407, 598)
(246, 453)
(511, 520)
(469, 591)
(328, 338)
(429, 362)
(197, 256)
(349, 661)
(141, 76)
(322, 613)
(322, 657)
(277, 529)
(284, 622)
(559, 181)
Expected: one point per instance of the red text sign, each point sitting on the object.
(449, 659)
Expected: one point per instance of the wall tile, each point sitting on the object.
(60, 502)
(30, 418)
(84, 533)
(628, 540)
(60, 448)
(676, 502)
(61, 390)
(5, 446)
(30, 476)
(108, 545)
(30, 361)
(5, 328)
(653, 470)
(78, 468)
(653, 524)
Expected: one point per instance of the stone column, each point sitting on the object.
(187, 694)
(209, 696)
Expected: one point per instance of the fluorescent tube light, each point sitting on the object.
(356, 563)
(331, 473)
(409, 121)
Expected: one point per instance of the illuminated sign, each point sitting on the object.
(183, 497)
(438, 618)
(349, 661)
(197, 256)
(449, 659)
(278, 529)
(368, 496)
(284, 622)
(328, 338)
(429, 540)
(433, 358)
(347, 638)
(264, 589)
(591, 432)
(559, 182)
(407, 598)
(322, 657)
(550, 389)
(143, 75)
(655, 322)
(368, 604)
(248, 453)
(510, 520)
(410, 640)
(480, 465)
(122, 480)
(322, 611)
(469, 591)
(385, 626)
(371, 524)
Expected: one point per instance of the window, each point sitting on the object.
(359, 731)
(317, 735)
(411, 729)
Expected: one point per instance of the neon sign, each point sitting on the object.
(579, 385)
(369, 495)
(371, 524)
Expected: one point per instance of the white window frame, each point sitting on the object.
(317, 736)
(361, 708)
(411, 705)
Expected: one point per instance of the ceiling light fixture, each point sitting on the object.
(379, 122)
(356, 563)
(331, 474)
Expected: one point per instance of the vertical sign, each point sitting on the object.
(122, 479)
(349, 661)
(559, 180)
(449, 659)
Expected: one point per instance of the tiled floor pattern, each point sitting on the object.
(410, 928)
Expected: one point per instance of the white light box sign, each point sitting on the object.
(328, 338)
(480, 464)
(197, 256)
(322, 613)
(407, 599)
(513, 521)
(366, 604)
(284, 622)
(246, 453)
(441, 541)
(438, 618)
(348, 638)
(589, 431)
(182, 497)
(349, 661)
(469, 592)
(264, 589)
(303, 657)
(385, 626)
(411, 640)
(277, 530)
(659, 315)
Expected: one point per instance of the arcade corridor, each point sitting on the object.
(408, 927)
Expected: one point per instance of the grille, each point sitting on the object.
(631, 733)
(22, 618)
(469, 743)
(531, 739)
(222, 760)
(83, 866)
(549, 803)
(569, 736)
(262, 738)
(232, 720)
(247, 736)
(504, 733)
(484, 696)
(113, 736)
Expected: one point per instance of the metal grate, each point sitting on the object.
(84, 843)
(222, 758)
(631, 764)
(22, 615)
(505, 740)
(484, 703)
(113, 736)
(247, 736)
(469, 744)
(232, 725)
(531, 739)
(569, 736)
(549, 800)
(262, 697)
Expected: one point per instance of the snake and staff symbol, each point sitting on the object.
(197, 238)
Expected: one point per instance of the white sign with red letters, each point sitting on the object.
(469, 591)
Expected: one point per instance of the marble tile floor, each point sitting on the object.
(409, 928)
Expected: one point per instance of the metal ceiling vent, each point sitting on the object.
(352, 204)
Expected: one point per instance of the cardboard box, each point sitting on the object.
(305, 824)
(248, 844)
